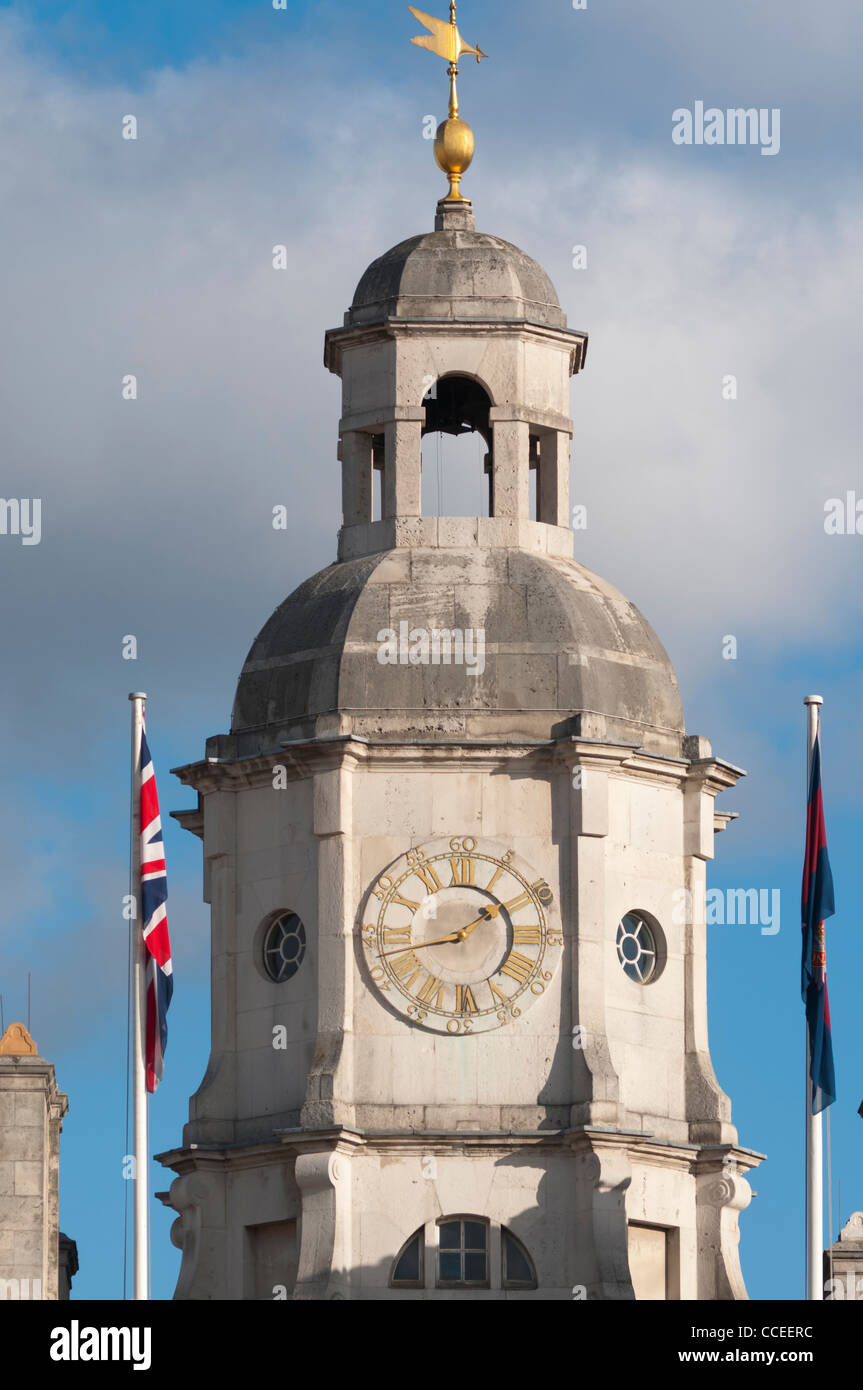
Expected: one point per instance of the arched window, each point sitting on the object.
(462, 1253)
(465, 1257)
(407, 1271)
(518, 1270)
(457, 449)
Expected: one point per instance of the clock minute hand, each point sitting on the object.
(485, 916)
(418, 945)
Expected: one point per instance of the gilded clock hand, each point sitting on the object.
(487, 914)
(418, 945)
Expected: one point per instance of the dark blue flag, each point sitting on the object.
(817, 907)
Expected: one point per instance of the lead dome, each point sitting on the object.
(560, 647)
(456, 273)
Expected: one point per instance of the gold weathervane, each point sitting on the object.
(454, 144)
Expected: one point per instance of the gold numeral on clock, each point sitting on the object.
(497, 995)
(405, 902)
(517, 966)
(464, 1000)
(429, 878)
(432, 987)
(462, 871)
(406, 965)
(494, 878)
(526, 936)
(394, 935)
(516, 904)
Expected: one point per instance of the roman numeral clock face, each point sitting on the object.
(465, 936)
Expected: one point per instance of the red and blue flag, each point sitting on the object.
(817, 907)
(154, 916)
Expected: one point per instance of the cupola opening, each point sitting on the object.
(456, 449)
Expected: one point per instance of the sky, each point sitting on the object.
(304, 127)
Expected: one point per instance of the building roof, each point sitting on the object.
(455, 274)
(558, 641)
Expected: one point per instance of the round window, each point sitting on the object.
(284, 947)
(636, 947)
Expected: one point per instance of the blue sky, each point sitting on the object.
(304, 127)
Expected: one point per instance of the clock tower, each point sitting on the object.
(455, 848)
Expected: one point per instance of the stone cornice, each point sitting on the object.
(337, 340)
(304, 758)
(715, 774)
(640, 1146)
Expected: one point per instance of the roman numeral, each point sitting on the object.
(405, 902)
(517, 966)
(406, 965)
(432, 987)
(526, 936)
(516, 904)
(429, 878)
(496, 994)
(393, 936)
(494, 878)
(462, 871)
(464, 1000)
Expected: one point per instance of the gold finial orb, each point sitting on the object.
(454, 144)
(453, 150)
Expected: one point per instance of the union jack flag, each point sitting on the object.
(154, 914)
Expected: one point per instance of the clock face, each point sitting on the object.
(464, 938)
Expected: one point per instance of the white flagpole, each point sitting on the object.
(140, 1144)
(814, 1172)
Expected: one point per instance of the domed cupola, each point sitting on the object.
(456, 330)
(455, 273)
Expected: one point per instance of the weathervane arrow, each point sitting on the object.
(445, 40)
(454, 139)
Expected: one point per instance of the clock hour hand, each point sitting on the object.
(487, 914)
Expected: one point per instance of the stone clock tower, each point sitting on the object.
(459, 1043)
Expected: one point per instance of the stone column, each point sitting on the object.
(553, 490)
(595, 1081)
(402, 487)
(602, 1175)
(330, 1081)
(708, 1108)
(511, 467)
(355, 451)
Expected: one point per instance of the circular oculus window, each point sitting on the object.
(284, 947)
(636, 948)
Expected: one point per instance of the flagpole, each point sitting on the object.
(140, 1144)
(814, 1170)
